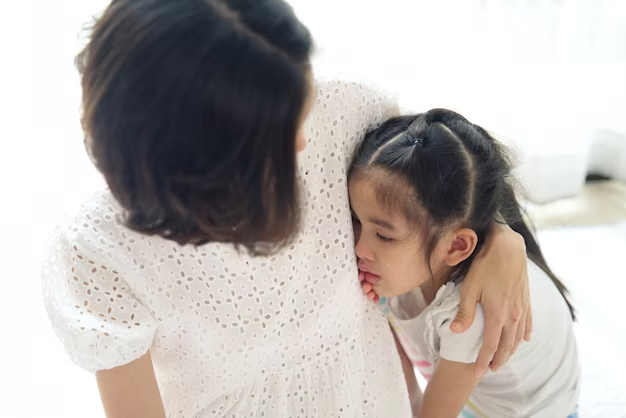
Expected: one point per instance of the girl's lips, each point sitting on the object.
(366, 269)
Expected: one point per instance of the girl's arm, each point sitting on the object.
(131, 391)
(415, 392)
(497, 279)
(449, 388)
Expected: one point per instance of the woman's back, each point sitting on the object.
(229, 334)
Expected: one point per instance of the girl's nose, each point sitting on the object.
(363, 251)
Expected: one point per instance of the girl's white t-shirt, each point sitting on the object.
(542, 378)
(231, 335)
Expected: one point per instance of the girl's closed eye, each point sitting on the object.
(383, 238)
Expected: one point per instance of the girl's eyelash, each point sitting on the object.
(383, 239)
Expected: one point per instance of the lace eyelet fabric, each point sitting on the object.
(231, 335)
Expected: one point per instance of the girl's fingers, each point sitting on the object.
(367, 284)
(367, 287)
(370, 278)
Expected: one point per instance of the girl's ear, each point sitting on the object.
(462, 244)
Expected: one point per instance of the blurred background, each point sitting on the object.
(548, 77)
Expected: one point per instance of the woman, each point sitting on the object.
(216, 275)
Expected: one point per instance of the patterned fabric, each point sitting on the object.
(231, 335)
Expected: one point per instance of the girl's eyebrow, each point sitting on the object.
(382, 223)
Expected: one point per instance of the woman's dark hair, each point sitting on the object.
(456, 174)
(191, 110)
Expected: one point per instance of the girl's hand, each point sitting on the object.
(367, 281)
(498, 280)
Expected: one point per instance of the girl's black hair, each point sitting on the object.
(457, 175)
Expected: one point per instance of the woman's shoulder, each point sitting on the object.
(93, 223)
(344, 110)
(349, 94)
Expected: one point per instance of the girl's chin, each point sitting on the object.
(388, 294)
(385, 292)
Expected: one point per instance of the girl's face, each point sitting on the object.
(386, 245)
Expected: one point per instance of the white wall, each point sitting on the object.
(41, 166)
(548, 75)
(552, 54)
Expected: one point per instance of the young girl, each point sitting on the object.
(424, 191)
(212, 278)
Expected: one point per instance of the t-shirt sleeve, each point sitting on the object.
(91, 307)
(464, 347)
